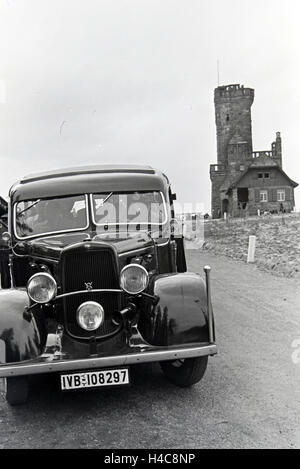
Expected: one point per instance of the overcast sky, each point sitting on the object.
(132, 81)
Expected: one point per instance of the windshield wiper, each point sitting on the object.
(27, 208)
(102, 201)
(108, 197)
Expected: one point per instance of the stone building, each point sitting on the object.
(245, 181)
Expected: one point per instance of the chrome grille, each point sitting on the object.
(84, 266)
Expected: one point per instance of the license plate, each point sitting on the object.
(94, 379)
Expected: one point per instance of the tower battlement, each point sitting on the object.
(233, 91)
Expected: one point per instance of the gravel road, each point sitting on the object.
(248, 398)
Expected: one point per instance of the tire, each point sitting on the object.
(17, 390)
(185, 373)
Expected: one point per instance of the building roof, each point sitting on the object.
(263, 167)
(262, 161)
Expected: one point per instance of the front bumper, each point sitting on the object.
(55, 363)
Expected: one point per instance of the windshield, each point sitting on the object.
(115, 214)
(129, 212)
(47, 216)
(133, 210)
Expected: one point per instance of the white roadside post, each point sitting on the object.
(2, 360)
(251, 248)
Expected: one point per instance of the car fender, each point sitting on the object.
(180, 315)
(22, 334)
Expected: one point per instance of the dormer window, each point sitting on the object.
(263, 175)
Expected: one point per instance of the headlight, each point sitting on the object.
(90, 315)
(134, 279)
(41, 288)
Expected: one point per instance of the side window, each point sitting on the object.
(281, 195)
(263, 195)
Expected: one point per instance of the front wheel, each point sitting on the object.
(185, 372)
(17, 390)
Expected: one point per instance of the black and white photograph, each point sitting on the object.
(149, 227)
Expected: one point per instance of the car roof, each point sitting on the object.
(62, 172)
(89, 179)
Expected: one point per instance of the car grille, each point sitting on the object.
(90, 266)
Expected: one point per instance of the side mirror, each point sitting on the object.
(176, 228)
(6, 238)
(172, 225)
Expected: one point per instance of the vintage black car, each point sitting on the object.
(99, 282)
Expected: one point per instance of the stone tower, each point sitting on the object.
(233, 116)
(234, 138)
(245, 182)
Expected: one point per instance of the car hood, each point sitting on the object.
(52, 246)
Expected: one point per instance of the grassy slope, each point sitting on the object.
(277, 241)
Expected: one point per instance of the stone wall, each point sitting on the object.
(217, 175)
